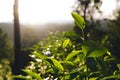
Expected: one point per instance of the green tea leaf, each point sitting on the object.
(33, 74)
(94, 78)
(112, 77)
(98, 52)
(49, 70)
(108, 53)
(78, 20)
(69, 65)
(118, 65)
(39, 55)
(20, 77)
(72, 54)
(66, 42)
(55, 63)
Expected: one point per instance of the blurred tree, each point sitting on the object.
(6, 51)
(6, 56)
(29, 38)
(114, 35)
(109, 37)
(87, 9)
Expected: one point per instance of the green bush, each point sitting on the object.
(69, 56)
(5, 70)
(6, 56)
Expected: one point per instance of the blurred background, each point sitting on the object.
(37, 18)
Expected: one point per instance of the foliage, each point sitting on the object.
(6, 56)
(114, 37)
(5, 46)
(87, 8)
(70, 56)
(5, 70)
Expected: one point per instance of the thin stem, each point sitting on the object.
(83, 35)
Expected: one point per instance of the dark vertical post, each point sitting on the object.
(17, 43)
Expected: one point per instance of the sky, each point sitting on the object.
(44, 11)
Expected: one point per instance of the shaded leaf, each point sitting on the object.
(92, 49)
(78, 20)
(98, 52)
(68, 65)
(112, 77)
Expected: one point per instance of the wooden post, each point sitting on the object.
(17, 43)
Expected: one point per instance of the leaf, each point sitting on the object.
(88, 46)
(33, 74)
(49, 70)
(108, 53)
(66, 42)
(112, 77)
(93, 49)
(78, 20)
(74, 75)
(72, 54)
(69, 65)
(118, 65)
(39, 55)
(55, 63)
(98, 52)
(20, 77)
(94, 78)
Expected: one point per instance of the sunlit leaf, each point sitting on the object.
(49, 70)
(78, 20)
(20, 77)
(39, 55)
(55, 63)
(108, 53)
(66, 42)
(118, 65)
(72, 54)
(33, 74)
(94, 78)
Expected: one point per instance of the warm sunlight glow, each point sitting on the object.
(6, 10)
(45, 11)
(107, 7)
(42, 11)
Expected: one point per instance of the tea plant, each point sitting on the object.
(69, 56)
(5, 70)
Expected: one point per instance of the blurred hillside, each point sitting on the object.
(31, 34)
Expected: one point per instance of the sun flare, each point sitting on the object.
(41, 11)
(44, 11)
